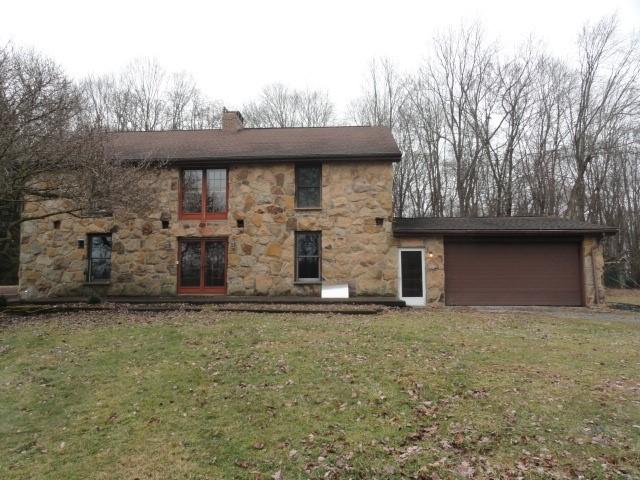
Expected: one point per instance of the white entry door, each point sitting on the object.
(411, 277)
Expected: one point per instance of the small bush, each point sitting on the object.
(3, 301)
(94, 299)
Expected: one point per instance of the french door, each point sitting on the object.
(202, 265)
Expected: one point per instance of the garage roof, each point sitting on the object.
(257, 144)
(496, 225)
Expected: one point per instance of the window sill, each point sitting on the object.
(308, 209)
(97, 284)
(200, 218)
(307, 282)
(96, 214)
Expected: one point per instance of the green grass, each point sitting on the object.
(421, 394)
(624, 295)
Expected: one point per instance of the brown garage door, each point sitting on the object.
(498, 272)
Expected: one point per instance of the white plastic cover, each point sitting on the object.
(335, 291)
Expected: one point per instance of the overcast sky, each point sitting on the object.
(233, 48)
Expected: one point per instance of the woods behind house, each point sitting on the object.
(484, 130)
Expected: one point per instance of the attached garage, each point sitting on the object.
(505, 260)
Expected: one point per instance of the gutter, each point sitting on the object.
(461, 232)
(265, 158)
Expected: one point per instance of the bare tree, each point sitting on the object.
(48, 154)
(461, 60)
(382, 97)
(280, 106)
(484, 133)
(144, 97)
(179, 96)
(144, 81)
(606, 90)
(543, 147)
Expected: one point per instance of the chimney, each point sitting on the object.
(232, 121)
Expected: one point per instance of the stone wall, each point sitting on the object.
(261, 255)
(593, 268)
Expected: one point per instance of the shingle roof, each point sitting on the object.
(253, 144)
(496, 225)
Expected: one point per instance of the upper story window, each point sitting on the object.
(99, 258)
(308, 186)
(204, 193)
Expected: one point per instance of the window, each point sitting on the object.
(308, 248)
(204, 193)
(308, 186)
(99, 256)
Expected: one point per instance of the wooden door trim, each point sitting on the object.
(202, 290)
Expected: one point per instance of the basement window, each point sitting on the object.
(165, 224)
(240, 223)
(379, 221)
(56, 224)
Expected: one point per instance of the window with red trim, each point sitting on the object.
(203, 193)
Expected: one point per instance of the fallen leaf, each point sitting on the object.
(243, 463)
(464, 470)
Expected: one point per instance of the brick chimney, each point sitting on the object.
(232, 121)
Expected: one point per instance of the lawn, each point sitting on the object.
(420, 394)
(624, 295)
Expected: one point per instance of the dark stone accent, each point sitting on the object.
(118, 247)
(274, 210)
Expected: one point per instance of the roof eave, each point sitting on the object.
(380, 157)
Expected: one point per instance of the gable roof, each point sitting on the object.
(496, 225)
(256, 144)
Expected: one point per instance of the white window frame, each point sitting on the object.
(413, 301)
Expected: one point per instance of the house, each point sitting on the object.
(243, 211)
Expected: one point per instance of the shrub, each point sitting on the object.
(94, 299)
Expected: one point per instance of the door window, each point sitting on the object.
(203, 266)
(411, 263)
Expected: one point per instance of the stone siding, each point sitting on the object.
(434, 264)
(593, 270)
(260, 256)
